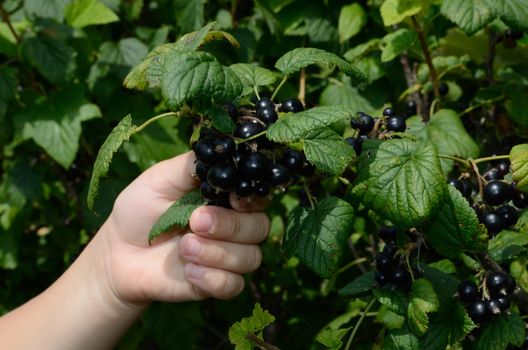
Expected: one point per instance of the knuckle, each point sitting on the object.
(255, 258)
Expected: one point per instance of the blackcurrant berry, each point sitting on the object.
(514, 34)
(493, 307)
(411, 107)
(221, 200)
(253, 166)
(201, 170)
(504, 303)
(384, 262)
(225, 148)
(388, 112)
(390, 249)
(399, 276)
(388, 234)
(497, 192)
(207, 191)
(467, 291)
(455, 182)
(278, 175)
(443, 88)
(267, 115)
(467, 188)
(307, 170)
(205, 151)
(222, 177)
(509, 215)
(248, 129)
(264, 102)
(496, 283)
(396, 123)
(231, 110)
(291, 105)
(381, 278)
(502, 166)
(493, 221)
(493, 174)
(478, 311)
(520, 199)
(261, 189)
(293, 160)
(510, 284)
(365, 123)
(243, 188)
(356, 143)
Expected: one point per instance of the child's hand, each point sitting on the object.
(205, 260)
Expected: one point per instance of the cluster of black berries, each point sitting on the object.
(365, 125)
(509, 38)
(495, 212)
(499, 287)
(390, 268)
(251, 167)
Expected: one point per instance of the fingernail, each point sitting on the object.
(205, 223)
(194, 271)
(192, 247)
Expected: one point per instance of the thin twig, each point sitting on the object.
(428, 59)
(477, 173)
(261, 343)
(358, 324)
(411, 81)
(302, 86)
(5, 17)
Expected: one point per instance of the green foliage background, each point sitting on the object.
(62, 68)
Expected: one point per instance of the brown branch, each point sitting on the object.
(5, 17)
(261, 343)
(428, 59)
(411, 81)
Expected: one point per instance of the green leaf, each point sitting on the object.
(46, 8)
(346, 95)
(124, 54)
(351, 19)
(178, 214)
(299, 58)
(519, 165)
(295, 126)
(147, 74)
(252, 75)
(8, 84)
(360, 286)
(470, 15)
(49, 55)
(501, 331)
(389, 319)
(55, 123)
(401, 339)
(445, 266)
(119, 134)
(423, 301)
(253, 325)
(331, 338)
(197, 76)
(447, 133)
(83, 13)
(318, 236)
(220, 119)
(455, 228)
(405, 182)
(395, 300)
(513, 12)
(189, 14)
(394, 44)
(327, 151)
(507, 244)
(395, 11)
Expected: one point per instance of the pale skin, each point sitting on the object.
(119, 274)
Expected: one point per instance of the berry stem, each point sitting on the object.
(283, 81)
(239, 141)
(350, 264)
(464, 162)
(358, 324)
(256, 92)
(478, 105)
(479, 177)
(153, 119)
(492, 158)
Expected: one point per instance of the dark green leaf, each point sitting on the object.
(8, 84)
(299, 58)
(318, 236)
(405, 182)
(423, 300)
(470, 15)
(252, 75)
(401, 339)
(360, 286)
(124, 54)
(178, 214)
(189, 14)
(344, 94)
(507, 244)
(445, 266)
(395, 300)
(220, 119)
(394, 44)
(325, 149)
(46, 8)
(119, 134)
(456, 227)
(501, 331)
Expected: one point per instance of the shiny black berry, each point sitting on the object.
(264, 102)
(478, 311)
(396, 123)
(225, 148)
(493, 174)
(384, 262)
(497, 283)
(205, 151)
(502, 166)
(399, 276)
(493, 307)
(222, 177)
(207, 191)
(243, 188)
(293, 160)
(261, 189)
(493, 221)
(504, 303)
(291, 105)
(248, 129)
(278, 175)
(267, 115)
(253, 166)
(509, 215)
(467, 291)
(364, 123)
(388, 112)
(381, 278)
(497, 192)
(520, 199)
(201, 170)
(411, 107)
(510, 284)
(443, 88)
(390, 249)
(231, 110)
(356, 143)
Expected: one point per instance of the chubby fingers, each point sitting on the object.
(229, 225)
